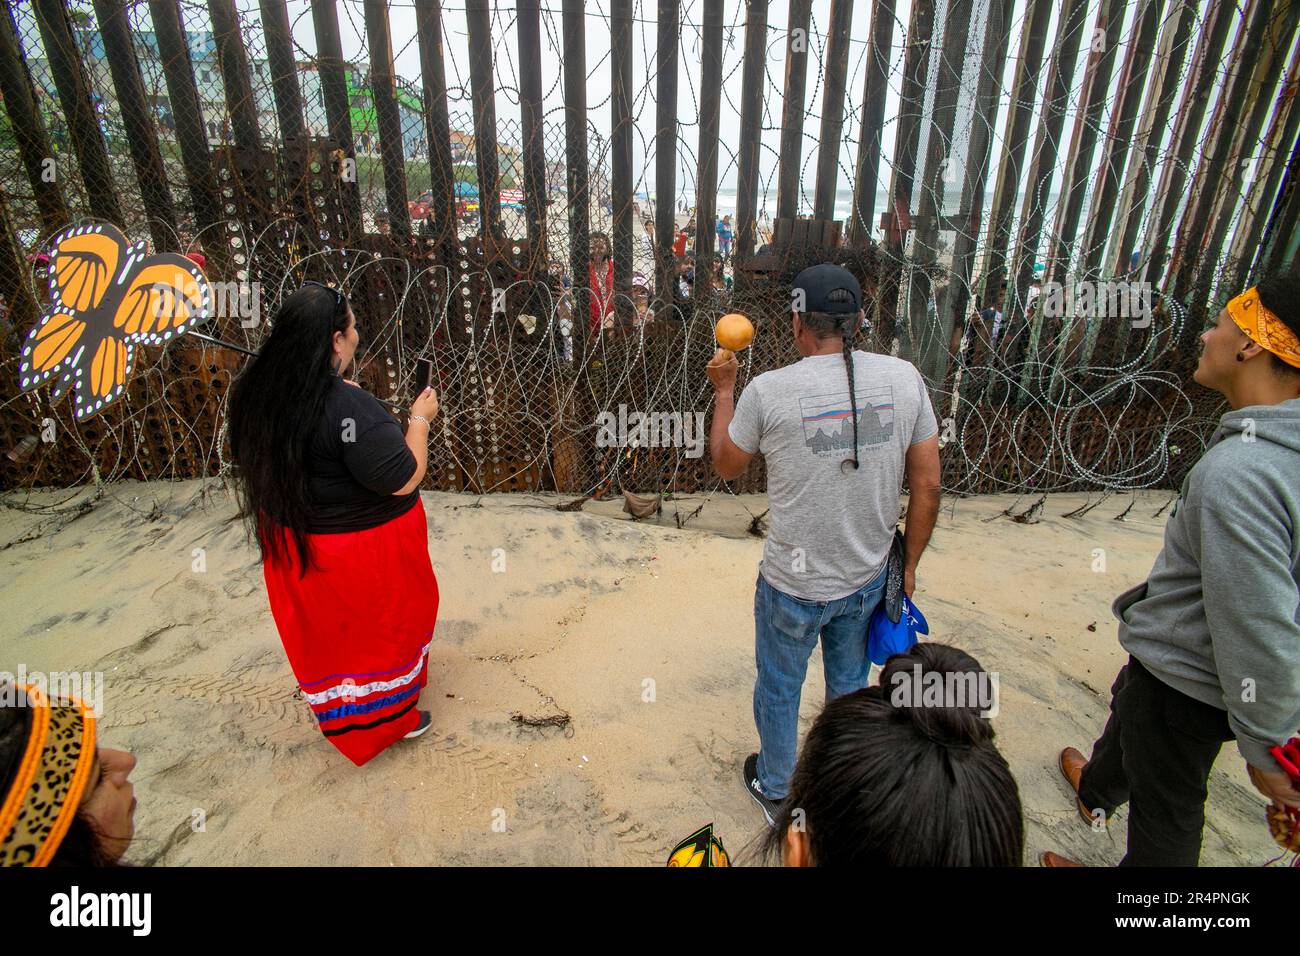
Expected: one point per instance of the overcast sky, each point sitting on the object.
(504, 32)
(599, 69)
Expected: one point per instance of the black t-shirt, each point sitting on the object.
(355, 462)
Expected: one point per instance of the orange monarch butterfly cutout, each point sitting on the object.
(106, 297)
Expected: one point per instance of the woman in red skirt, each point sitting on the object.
(329, 485)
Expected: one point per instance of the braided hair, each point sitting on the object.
(846, 326)
(823, 325)
(853, 398)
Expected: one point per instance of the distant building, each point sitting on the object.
(365, 121)
(211, 90)
(207, 79)
(212, 101)
(462, 147)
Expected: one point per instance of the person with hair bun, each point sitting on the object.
(884, 779)
(63, 800)
(838, 430)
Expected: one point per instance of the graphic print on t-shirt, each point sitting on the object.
(828, 420)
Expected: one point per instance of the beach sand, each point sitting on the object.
(641, 632)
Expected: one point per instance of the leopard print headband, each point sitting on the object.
(52, 777)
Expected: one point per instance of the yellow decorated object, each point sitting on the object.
(701, 848)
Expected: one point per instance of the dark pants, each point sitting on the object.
(1155, 755)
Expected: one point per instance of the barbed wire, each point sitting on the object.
(1025, 408)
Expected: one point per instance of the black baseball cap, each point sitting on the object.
(820, 282)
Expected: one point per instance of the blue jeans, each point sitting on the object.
(786, 631)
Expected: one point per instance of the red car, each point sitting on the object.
(419, 206)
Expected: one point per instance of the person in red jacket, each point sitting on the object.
(600, 280)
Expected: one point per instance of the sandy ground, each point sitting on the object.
(641, 632)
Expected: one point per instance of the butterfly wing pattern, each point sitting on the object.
(106, 297)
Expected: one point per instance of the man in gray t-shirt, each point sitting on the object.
(799, 418)
(838, 431)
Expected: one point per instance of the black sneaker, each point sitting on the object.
(426, 721)
(771, 808)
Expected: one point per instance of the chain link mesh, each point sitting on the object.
(1029, 404)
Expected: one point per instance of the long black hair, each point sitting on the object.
(880, 783)
(276, 406)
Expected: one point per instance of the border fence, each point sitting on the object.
(1038, 145)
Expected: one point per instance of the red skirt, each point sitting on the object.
(357, 629)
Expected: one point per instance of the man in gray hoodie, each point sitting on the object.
(1213, 634)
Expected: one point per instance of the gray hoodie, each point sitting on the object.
(1218, 618)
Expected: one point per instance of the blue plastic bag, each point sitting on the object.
(886, 638)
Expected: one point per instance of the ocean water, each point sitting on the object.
(726, 202)
(844, 202)
(767, 203)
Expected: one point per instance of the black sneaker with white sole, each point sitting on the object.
(426, 721)
(771, 808)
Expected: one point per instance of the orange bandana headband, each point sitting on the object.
(52, 777)
(1264, 328)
